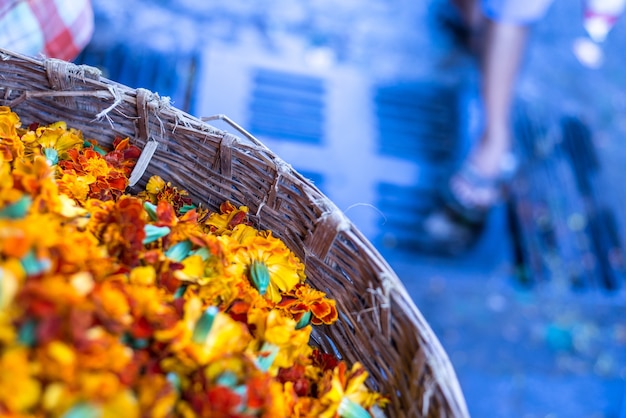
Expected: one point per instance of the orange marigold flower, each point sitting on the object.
(119, 226)
(229, 217)
(110, 182)
(8, 193)
(112, 306)
(36, 178)
(102, 351)
(76, 187)
(124, 156)
(156, 395)
(185, 227)
(19, 387)
(11, 147)
(151, 312)
(9, 122)
(158, 190)
(303, 298)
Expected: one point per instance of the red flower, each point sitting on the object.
(124, 155)
(120, 227)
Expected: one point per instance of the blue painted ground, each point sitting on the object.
(372, 101)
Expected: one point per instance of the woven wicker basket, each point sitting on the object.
(379, 324)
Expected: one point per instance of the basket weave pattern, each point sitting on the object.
(379, 324)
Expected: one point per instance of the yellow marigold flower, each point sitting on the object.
(102, 351)
(213, 338)
(9, 122)
(344, 392)
(274, 328)
(55, 140)
(193, 269)
(7, 328)
(155, 186)
(36, 178)
(11, 147)
(58, 362)
(19, 388)
(143, 275)
(76, 187)
(68, 207)
(156, 396)
(111, 303)
(57, 398)
(123, 404)
(99, 386)
(96, 166)
(228, 218)
(8, 192)
(222, 291)
(284, 268)
(157, 191)
(9, 283)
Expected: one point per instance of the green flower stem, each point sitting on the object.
(83, 410)
(179, 251)
(17, 209)
(264, 362)
(349, 409)
(259, 276)
(154, 232)
(151, 209)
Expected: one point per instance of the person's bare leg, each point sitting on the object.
(502, 54)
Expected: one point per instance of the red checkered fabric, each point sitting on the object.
(54, 28)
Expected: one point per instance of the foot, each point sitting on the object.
(474, 190)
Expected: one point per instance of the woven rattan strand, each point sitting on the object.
(379, 324)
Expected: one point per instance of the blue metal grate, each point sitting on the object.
(417, 121)
(168, 74)
(287, 106)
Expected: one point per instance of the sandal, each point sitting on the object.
(457, 224)
(471, 195)
(448, 234)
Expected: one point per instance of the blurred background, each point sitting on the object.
(374, 101)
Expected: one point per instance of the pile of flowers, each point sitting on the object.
(147, 305)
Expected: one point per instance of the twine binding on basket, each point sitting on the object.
(223, 158)
(328, 226)
(147, 103)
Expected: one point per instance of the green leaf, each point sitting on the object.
(179, 251)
